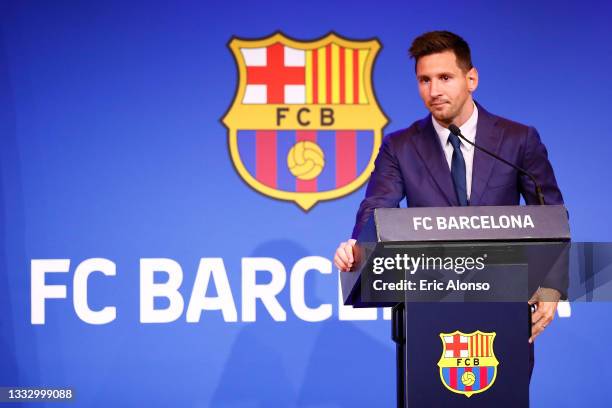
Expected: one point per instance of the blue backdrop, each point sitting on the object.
(111, 147)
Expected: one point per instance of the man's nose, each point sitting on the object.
(434, 89)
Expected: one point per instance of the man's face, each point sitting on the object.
(445, 88)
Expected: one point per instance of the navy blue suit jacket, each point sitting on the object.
(411, 165)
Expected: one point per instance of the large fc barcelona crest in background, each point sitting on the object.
(304, 125)
(468, 364)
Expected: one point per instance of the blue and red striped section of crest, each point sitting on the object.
(452, 377)
(264, 154)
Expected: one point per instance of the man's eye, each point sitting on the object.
(444, 77)
(424, 80)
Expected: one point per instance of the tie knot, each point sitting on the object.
(454, 140)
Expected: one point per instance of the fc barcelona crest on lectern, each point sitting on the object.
(304, 125)
(468, 364)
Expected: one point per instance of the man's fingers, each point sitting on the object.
(542, 322)
(343, 259)
(340, 253)
(541, 319)
(535, 332)
(340, 263)
(343, 268)
(536, 324)
(348, 250)
(537, 329)
(345, 252)
(547, 318)
(536, 316)
(545, 312)
(550, 308)
(337, 262)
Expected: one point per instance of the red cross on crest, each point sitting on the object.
(456, 346)
(275, 74)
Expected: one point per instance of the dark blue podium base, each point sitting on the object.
(510, 323)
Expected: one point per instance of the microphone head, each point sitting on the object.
(454, 130)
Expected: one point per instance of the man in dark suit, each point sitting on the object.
(430, 167)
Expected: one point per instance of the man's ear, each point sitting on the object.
(472, 79)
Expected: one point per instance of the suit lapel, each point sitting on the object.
(488, 135)
(427, 145)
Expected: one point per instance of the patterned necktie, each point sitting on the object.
(458, 170)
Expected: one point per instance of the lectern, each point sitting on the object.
(459, 279)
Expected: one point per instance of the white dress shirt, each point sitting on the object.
(468, 129)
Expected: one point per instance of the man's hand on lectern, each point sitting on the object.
(344, 259)
(544, 310)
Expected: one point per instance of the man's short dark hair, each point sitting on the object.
(434, 42)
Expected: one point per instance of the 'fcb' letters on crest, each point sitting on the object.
(326, 116)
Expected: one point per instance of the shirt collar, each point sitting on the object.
(468, 129)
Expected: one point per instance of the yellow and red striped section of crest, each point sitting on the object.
(335, 75)
(481, 345)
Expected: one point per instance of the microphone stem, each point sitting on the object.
(537, 186)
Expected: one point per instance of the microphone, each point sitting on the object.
(457, 132)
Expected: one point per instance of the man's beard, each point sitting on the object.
(446, 115)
